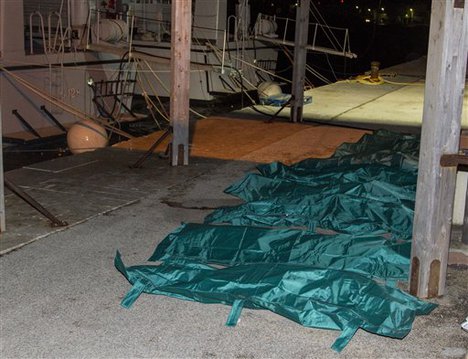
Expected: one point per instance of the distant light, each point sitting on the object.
(369, 10)
(383, 9)
(367, 20)
(357, 7)
(411, 10)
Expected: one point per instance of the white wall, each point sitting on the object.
(460, 198)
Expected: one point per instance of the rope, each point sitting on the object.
(63, 105)
(367, 80)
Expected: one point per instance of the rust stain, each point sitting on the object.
(414, 278)
(434, 275)
(180, 156)
(459, 4)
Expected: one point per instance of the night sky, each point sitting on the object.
(389, 31)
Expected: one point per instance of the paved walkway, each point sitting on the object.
(60, 295)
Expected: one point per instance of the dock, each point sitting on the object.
(397, 102)
(60, 292)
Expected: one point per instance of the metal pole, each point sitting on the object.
(55, 222)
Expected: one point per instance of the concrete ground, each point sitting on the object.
(60, 294)
(399, 101)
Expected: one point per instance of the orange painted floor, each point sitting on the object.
(256, 141)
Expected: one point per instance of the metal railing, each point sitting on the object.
(322, 38)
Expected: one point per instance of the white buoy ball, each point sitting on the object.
(269, 89)
(85, 136)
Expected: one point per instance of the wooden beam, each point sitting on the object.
(453, 160)
(300, 58)
(445, 82)
(180, 73)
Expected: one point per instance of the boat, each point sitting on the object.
(64, 61)
(45, 73)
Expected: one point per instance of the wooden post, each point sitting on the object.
(445, 82)
(2, 196)
(180, 74)
(300, 58)
(2, 51)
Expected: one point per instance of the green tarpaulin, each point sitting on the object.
(314, 242)
(321, 298)
(374, 256)
(371, 207)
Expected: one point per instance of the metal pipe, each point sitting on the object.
(33, 203)
(52, 117)
(148, 153)
(26, 123)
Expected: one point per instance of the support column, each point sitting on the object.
(180, 79)
(2, 195)
(3, 7)
(445, 82)
(300, 58)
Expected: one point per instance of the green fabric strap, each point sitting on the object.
(346, 335)
(235, 313)
(133, 294)
(392, 282)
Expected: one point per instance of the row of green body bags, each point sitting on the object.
(367, 188)
(312, 297)
(374, 256)
(332, 281)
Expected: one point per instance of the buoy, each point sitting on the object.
(85, 136)
(268, 89)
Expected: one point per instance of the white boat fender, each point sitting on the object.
(268, 89)
(266, 27)
(270, 93)
(110, 30)
(86, 136)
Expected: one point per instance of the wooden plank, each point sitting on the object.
(300, 58)
(180, 74)
(445, 81)
(453, 160)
